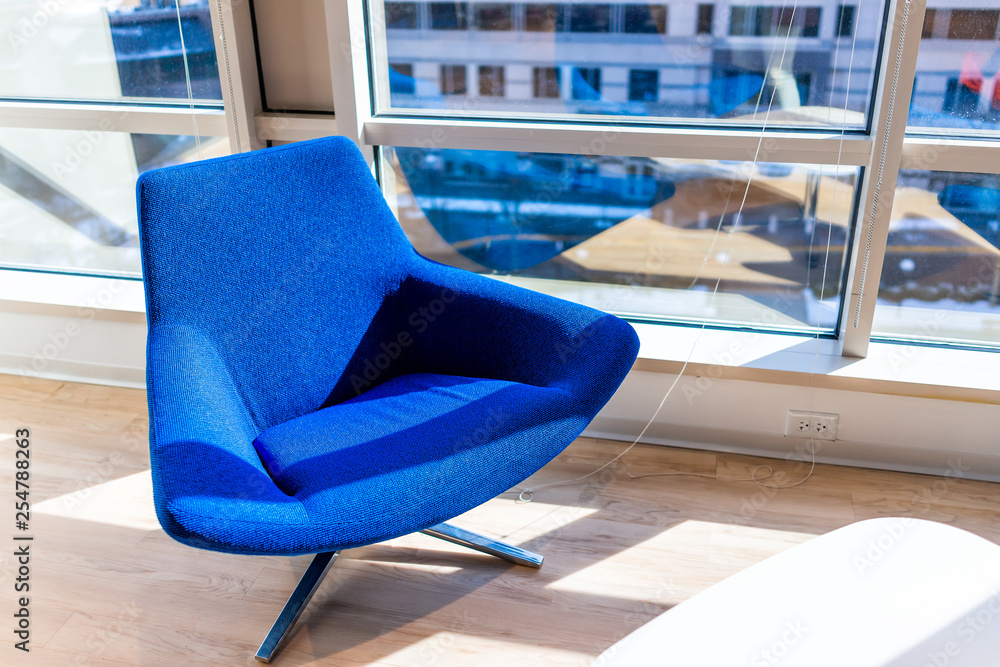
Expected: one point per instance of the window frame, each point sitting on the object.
(882, 149)
(354, 88)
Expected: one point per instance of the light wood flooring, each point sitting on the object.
(109, 588)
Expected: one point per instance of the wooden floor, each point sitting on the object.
(109, 588)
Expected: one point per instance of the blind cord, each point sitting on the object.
(526, 495)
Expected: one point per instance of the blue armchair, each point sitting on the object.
(314, 384)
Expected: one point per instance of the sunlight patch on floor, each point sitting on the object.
(126, 502)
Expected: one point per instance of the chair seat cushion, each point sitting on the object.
(414, 451)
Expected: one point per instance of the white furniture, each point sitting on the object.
(893, 592)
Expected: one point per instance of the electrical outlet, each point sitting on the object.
(806, 424)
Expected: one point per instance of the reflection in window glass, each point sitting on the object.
(957, 85)
(543, 17)
(494, 16)
(401, 81)
(706, 16)
(646, 19)
(643, 85)
(590, 18)
(108, 50)
(67, 201)
(449, 15)
(845, 20)
(941, 275)
(766, 53)
(401, 15)
(545, 81)
(491, 81)
(768, 21)
(646, 225)
(978, 24)
(586, 83)
(453, 80)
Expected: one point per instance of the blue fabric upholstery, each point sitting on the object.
(315, 384)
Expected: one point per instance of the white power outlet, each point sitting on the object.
(806, 424)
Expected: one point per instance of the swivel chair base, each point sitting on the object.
(321, 563)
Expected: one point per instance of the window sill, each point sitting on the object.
(72, 291)
(896, 369)
(794, 360)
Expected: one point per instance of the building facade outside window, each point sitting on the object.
(643, 85)
(491, 81)
(453, 80)
(546, 82)
(449, 15)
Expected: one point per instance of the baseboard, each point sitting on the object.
(948, 462)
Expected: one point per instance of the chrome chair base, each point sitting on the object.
(321, 563)
(477, 542)
(297, 602)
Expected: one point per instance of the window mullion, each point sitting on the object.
(237, 57)
(141, 119)
(349, 70)
(819, 147)
(892, 99)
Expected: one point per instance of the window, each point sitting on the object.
(401, 81)
(494, 16)
(646, 19)
(958, 91)
(101, 51)
(453, 80)
(940, 280)
(545, 82)
(401, 15)
(68, 195)
(590, 18)
(706, 17)
(717, 82)
(845, 21)
(643, 85)
(930, 16)
(543, 17)
(586, 83)
(774, 21)
(941, 273)
(980, 24)
(580, 213)
(449, 15)
(491, 81)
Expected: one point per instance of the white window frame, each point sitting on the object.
(249, 128)
(885, 149)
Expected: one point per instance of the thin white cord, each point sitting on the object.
(759, 481)
(526, 495)
(187, 77)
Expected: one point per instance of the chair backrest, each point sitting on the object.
(281, 258)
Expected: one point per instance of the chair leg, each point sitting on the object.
(297, 602)
(489, 546)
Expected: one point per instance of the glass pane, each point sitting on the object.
(957, 85)
(941, 276)
(67, 197)
(637, 236)
(108, 50)
(795, 65)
